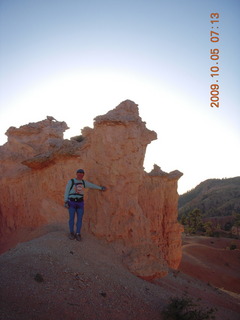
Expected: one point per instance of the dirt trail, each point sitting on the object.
(52, 277)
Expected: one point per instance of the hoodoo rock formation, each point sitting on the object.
(138, 212)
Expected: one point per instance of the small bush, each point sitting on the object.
(186, 309)
(38, 277)
(233, 246)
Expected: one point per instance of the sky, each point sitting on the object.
(75, 60)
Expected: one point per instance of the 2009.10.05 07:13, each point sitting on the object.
(214, 55)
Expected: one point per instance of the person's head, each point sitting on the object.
(80, 174)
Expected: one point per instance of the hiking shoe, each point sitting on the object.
(71, 236)
(78, 237)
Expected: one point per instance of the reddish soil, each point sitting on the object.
(51, 277)
(212, 261)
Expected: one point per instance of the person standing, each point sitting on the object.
(74, 201)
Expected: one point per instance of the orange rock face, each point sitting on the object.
(138, 212)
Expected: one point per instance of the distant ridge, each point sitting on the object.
(213, 197)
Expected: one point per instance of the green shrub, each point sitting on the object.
(186, 309)
(233, 246)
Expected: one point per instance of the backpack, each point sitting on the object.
(73, 184)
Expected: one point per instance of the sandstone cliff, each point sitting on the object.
(138, 212)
